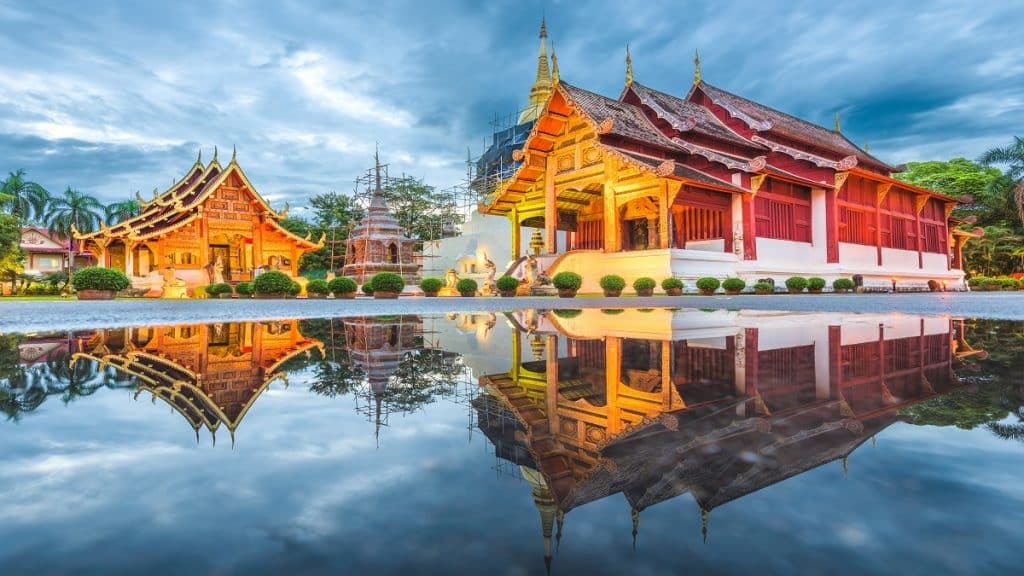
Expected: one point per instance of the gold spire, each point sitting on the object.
(629, 67)
(636, 524)
(704, 517)
(234, 152)
(836, 129)
(541, 89)
(215, 155)
(199, 158)
(867, 146)
(696, 67)
(554, 64)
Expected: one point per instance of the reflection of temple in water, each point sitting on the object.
(653, 404)
(211, 374)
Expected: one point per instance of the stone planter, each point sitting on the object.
(814, 290)
(763, 291)
(674, 292)
(96, 294)
(467, 294)
(380, 295)
(430, 294)
(707, 292)
(732, 292)
(566, 293)
(841, 290)
(508, 293)
(645, 292)
(346, 296)
(225, 296)
(312, 296)
(796, 291)
(272, 296)
(612, 293)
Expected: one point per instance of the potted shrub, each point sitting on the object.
(430, 287)
(1009, 283)
(568, 283)
(272, 284)
(612, 311)
(507, 286)
(644, 286)
(975, 282)
(387, 285)
(318, 289)
(990, 284)
(367, 288)
(99, 283)
(466, 287)
(796, 284)
(815, 285)
(762, 288)
(567, 313)
(219, 290)
(612, 285)
(842, 285)
(244, 289)
(733, 286)
(343, 287)
(672, 286)
(707, 285)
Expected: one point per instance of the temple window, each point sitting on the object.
(783, 211)
(393, 253)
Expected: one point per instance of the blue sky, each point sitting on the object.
(113, 97)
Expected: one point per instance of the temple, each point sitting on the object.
(661, 403)
(712, 184)
(212, 225)
(211, 374)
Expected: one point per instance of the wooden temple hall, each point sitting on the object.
(212, 225)
(211, 374)
(679, 404)
(708, 183)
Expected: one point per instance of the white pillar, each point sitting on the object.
(819, 223)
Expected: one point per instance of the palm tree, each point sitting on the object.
(27, 200)
(120, 211)
(73, 210)
(1012, 157)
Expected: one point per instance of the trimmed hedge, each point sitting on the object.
(318, 287)
(342, 285)
(96, 278)
(567, 313)
(796, 283)
(507, 283)
(612, 282)
(708, 283)
(764, 286)
(368, 288)
(218, 289)
(387, 282)
(567, 281)
(644, 283)
(466, 285)
(273, 282)
(295, 289)
(431, 284)
(670, 283)
(244, 289)
(734, 284)
(815, 283)
(843, 284)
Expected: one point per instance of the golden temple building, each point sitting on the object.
(211, 374)
(212, 225)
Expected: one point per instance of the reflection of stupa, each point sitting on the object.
(377, 243)
(719, 406)
(377, 344)
(209, 373)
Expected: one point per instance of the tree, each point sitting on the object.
(72, 210)
(26, 200)
(123, 210)
(11, 254)
(960, 177)
(1012, 157)
(996, 253)
(421, 211)
(332, 215)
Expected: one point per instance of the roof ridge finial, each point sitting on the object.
(376, 161)
(629, 66)
(234, 153)
(867, 148)
(215, 153)
(543, 26)
(554, 64)
(199, 158)
(696, 66)
(837, 129)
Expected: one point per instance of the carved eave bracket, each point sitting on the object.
(919, 201)
(840, 180)
(883, 191)
(756, 181)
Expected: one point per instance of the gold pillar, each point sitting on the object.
(517, 233)
(550, 206)
(613, 369)
(551, 394)
(663, 204)
(611, 215)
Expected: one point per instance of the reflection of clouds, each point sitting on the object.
(318, 516)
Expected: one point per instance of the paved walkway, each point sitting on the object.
(28, 316)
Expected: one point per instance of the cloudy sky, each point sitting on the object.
(114, 97)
